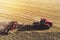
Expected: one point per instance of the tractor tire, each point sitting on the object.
(45, 27)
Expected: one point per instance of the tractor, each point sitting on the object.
(42, 24)
(45, 23)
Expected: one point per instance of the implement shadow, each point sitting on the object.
(32, 27)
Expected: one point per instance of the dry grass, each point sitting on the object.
(28, 12)
(23, 35)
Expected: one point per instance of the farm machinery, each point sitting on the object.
(41, 25)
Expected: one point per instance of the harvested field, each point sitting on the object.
(32, 36)
(28, 11)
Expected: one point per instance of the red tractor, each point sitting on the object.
(45, 23)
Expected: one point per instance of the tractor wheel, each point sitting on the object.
(45, 27)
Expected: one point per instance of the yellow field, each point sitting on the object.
(28, 11)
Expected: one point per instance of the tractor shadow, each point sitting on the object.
(32, 27)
